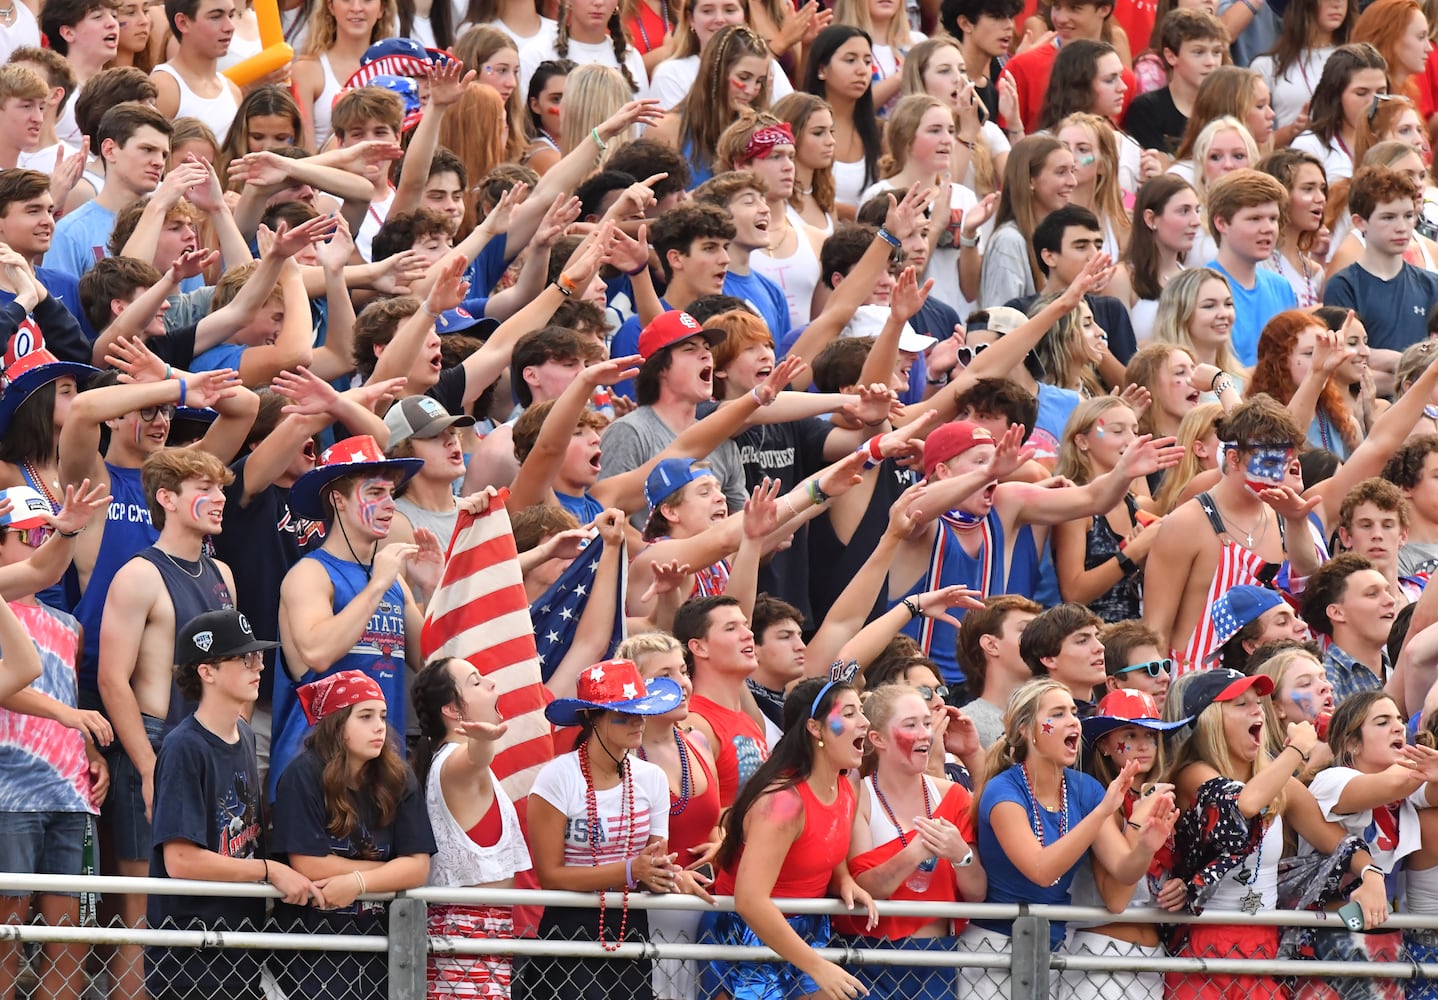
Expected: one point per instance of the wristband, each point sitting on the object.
(1222, 382)
(566, 286)
(872, 447)
(757, 398)
(72, 534)
(1290, 746)
(266, 863)
(967, 860)
(1125, 564)
(816, 494)
(638, 270)
(594, 134)
(169, 373)
(359, 877)
(182, 392)
(889, 238)
(629, 873)
(914, 610)
(968, 242)
(1372, 868)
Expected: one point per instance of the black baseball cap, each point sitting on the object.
(217, 635)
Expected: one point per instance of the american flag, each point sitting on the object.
(480, 614)
(556, 614)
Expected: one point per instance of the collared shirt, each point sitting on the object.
(1348, 676)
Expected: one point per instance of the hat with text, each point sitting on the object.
(28, 509)
(215, 636)
(420, 417)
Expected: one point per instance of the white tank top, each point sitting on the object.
(797, 275)
(459, 860)
(881, 828)
(1229, 893)
(848, 182)
(1422, 891)
(324, 104)
(1142, 314)
(216, 112)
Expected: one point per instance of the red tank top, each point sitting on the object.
(693, 826)
(739, 745)
(819, 850)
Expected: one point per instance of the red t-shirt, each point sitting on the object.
(1031, 71)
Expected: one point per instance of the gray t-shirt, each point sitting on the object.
(637, 437)
(988, 720)
(1417, 557)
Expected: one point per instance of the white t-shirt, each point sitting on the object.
(561, 784)
(1295, 88)
(581, 54)
(1336, 163)
(1387, 850)
(673, 79)
(944, 264)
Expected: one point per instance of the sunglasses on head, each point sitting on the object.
(927, 693)
(1155, 668)
(149, 413)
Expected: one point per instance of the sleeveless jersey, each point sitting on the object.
(194, 589)
(127, 531)
(950, 565)
(378, 652)
(739, 745)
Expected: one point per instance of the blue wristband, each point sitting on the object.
(182, 392)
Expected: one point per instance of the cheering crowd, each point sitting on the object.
(970, 451)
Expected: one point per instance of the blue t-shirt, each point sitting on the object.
(1253, 307)
(1056, 405)
(220, 356)
(764, 297)
(584, 508)
(1006, 883)
(81, 239)
(66, 288)
(1395, 312)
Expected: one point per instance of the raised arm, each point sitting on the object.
(447, 82)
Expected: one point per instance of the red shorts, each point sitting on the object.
(1227, 941)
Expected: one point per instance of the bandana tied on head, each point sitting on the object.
(328, 695)
(763, 141)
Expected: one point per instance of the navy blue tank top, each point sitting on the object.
(194, 588)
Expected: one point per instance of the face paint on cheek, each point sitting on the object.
(368, 509)
(1120, 747)
(905, 743)
(1048, 726)
(1098, 430)
(1267, 466)
(836, 722)
(1304, 701)
(197, 507)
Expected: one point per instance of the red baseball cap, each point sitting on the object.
(670, 328)
(951, 440)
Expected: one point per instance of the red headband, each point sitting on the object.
(328, 695)
(763, 141)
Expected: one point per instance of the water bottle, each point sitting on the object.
(602, 402)
(923, 875)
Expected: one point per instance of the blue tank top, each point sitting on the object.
(379, 652)
(950, 565)
(701, 171)
(194, 588)
(56, 595)
(127, 531)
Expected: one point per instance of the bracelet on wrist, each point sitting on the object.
(913, 608)
(890, 238)
(638, 270)
(1372, 868)
(68, 534)
(267, 869)
(1290, 746)
(182, 392)
(594, 134)
(629, 873)
(566, 286)
(968, 242)
(1132, 825)
(359, 877)
(816, 492)
(758, 398)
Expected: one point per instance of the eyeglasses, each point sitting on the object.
(927, 693)
(149, 413)
(1155, 668)
(252, 661)
(34, 537)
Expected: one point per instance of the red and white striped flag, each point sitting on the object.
(480, 614)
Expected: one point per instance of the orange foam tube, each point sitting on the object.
(257, 67)
(267, 12)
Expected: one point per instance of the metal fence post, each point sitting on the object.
(1029, 959)
(408, 940)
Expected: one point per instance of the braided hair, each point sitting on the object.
(434, 691)
(614, 27)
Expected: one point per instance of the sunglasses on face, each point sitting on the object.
(34, 537)
(968, 354)
(149, 413)
(1155, 668)
(927, 693)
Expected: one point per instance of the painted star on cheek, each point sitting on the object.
(1048, 726)
(1121, 747)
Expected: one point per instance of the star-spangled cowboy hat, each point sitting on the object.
(344, 458)
(29, 372)
(615, 686)
(1126, 707)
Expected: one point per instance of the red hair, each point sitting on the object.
(1383, 26)
(1271, 373)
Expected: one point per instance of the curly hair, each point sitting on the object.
(383, 779)
(1271, 373)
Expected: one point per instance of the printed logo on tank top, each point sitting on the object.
(128, 513)
(748, 754)
(306, 532)
(384, 636)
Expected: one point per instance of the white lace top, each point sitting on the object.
(459, 860)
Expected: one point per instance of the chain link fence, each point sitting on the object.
(489, 944)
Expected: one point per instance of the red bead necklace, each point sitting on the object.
(625, 833)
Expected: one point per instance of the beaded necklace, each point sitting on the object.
(664, 14)
(624, 834)
(1252, 902)
(1308, 297)
(40, 484)
(677, 807)
(928, 807)
(1063, 809)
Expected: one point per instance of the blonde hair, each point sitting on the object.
(981, 158)
(856, 14)
(1196, 424)
(645, 644)
(324, 30)
(1073, 463)
(1108, 188)
(1021, 719)
(902, 128)
(1208, 744)
(592, 95)
(1176, 305)
(879, 704)
(1205, 139)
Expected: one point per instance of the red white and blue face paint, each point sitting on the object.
(1267, 466)
(198, 505)
(370, 507)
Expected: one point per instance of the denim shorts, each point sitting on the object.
(124, 808)
(43, 843)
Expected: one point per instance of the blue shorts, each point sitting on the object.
(901, 982)
(43, 843)
(124, 808)
(759, 980)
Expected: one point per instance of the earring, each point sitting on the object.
(821, 744)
